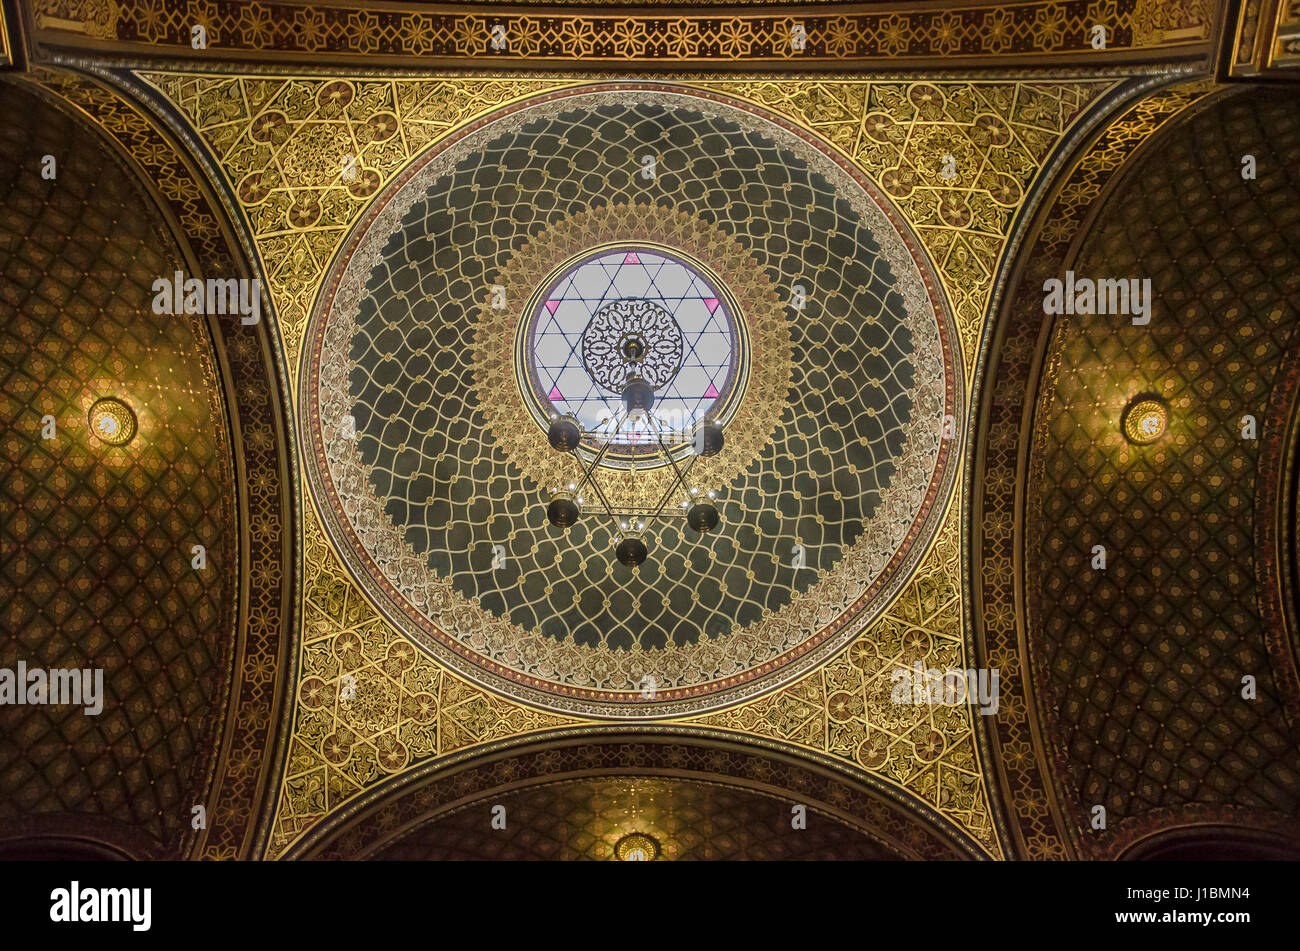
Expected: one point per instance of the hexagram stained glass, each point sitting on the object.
(691, 382)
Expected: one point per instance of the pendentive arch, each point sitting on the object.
(870, 815)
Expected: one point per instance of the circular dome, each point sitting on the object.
(522, 269)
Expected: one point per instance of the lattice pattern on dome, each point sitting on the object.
(445, 479)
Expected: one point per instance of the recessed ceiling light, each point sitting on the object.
(1145, 420)
(112, 421)
(636, 847)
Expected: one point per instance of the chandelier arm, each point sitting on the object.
(681, 478)
(664, 501)
(589, 472)
(686, 492)
(609, 509)
(659, 511)
(588, 469)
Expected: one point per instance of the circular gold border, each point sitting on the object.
(1141, 406)
(632, 840)
(767, 343)
(828, 616)
(112, 407)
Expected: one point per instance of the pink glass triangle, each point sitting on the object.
(554, 395)
(631, 258)
(712, 304)
(711, 393)
(552, 305)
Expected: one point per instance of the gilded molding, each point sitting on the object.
(432, 35)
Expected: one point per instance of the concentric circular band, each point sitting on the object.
(883, 363)
(749, 407)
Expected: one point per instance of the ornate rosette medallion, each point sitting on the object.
(523, 267)
(627, 338)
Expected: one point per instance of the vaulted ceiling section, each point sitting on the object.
(1163, 677)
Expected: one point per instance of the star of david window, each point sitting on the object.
(630, 311)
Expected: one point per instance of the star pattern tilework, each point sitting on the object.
(222, 111)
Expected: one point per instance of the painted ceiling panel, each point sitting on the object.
(895, 133)
(97, 538)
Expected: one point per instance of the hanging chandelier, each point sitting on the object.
(633, 357)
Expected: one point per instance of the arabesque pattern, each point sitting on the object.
(1045, 27)
(966, 252)
(999, 133)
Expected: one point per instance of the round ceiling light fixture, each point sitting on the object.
(112, 421)
(1145, 419)
(636, 847)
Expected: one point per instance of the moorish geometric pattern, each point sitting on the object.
(282, 142)
(916, 127)
(261, 445)
(846, 483)
(1140, 666)
(896, 827)
(1035, 830)
(694, 375)
(457, 239)
(95, 540)
(1047, 28)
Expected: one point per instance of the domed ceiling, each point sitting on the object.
(462, 313)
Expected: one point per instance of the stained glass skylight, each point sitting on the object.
(579, 304)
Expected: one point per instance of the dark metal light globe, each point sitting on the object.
(703, 517)
(564, 434)
(638, 394)
(633, 349)
(563, 511)
(631, 552)
(708, 438)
